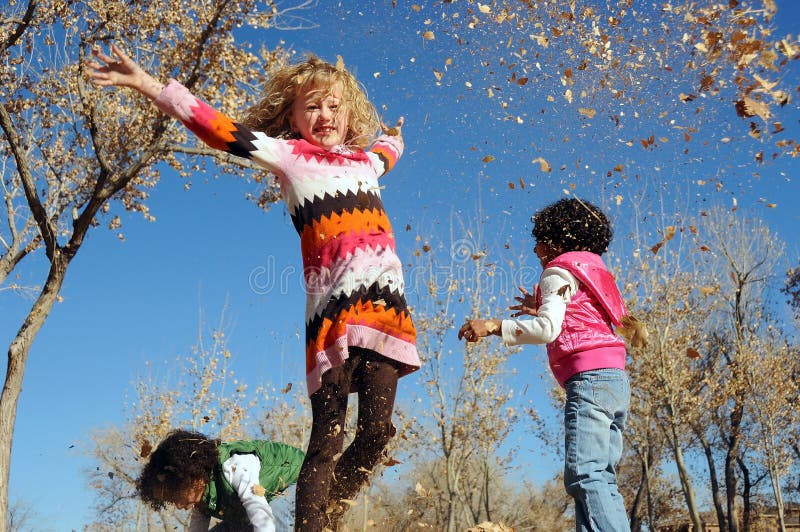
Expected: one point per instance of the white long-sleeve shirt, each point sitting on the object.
(241, 471)
(557, 286)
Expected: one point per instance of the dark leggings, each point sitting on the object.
(324, 480)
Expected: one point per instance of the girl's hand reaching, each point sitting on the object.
(121, 71)
(527, 303)
(474, 330)
(393, 131)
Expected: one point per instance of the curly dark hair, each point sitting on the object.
(181, 459)
(572, 224)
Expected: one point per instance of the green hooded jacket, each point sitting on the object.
(280, 467)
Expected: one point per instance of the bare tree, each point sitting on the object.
(71, 156)
(745, 253)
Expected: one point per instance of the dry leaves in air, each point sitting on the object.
(422, 492)
(669, 234)
(428, 35)
(692, 353)
(544, 166)
(389, 462)
(488, 158)
(146, 449)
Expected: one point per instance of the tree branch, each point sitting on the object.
(21, 27)
(46, 229)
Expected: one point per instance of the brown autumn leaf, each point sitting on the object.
(544, 166)
(488, 158)
(588, 113)
(706, 290)
(426, 248)
(287, 388)
(391, 461)
(146, 449)
(692, 353)
(428, 35)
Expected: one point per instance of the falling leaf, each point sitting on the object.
(511, 185)
(588, 113)
(348, 502)
(544, 166)
(428, 35)
(483, 8)
(389, 462)
(422, 492)
(488, 158)
(146, 449)
(747, 107)
(648, 141)
(521, 183)
(258, 490)
(706, 290)
(437, 75)
(426, 248)
(692, 353)
(287, 388)
(772, 205)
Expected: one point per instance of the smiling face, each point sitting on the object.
(320, 117)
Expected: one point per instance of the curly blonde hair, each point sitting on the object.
(272, 113)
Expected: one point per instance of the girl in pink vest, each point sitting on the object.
(575, 307)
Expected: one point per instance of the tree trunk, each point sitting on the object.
(747, 489)
(639, 499)
(686, 481)
(722, 519)
(730, 467)
(17, 360)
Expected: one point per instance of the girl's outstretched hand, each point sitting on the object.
(527, 304)
(393, 131)
(474, 330)
(121, 71)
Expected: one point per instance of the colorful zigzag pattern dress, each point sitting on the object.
(355, 292)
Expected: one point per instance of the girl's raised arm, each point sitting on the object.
(122, 71)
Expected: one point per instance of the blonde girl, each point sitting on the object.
(314, 131)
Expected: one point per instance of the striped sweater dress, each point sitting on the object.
(353, 277)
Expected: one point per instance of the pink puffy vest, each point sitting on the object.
(587, 340)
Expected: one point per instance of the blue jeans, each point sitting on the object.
(594, 416)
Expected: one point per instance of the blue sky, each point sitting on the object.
(138, 300)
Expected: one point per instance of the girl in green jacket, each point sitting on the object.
(242, 483)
